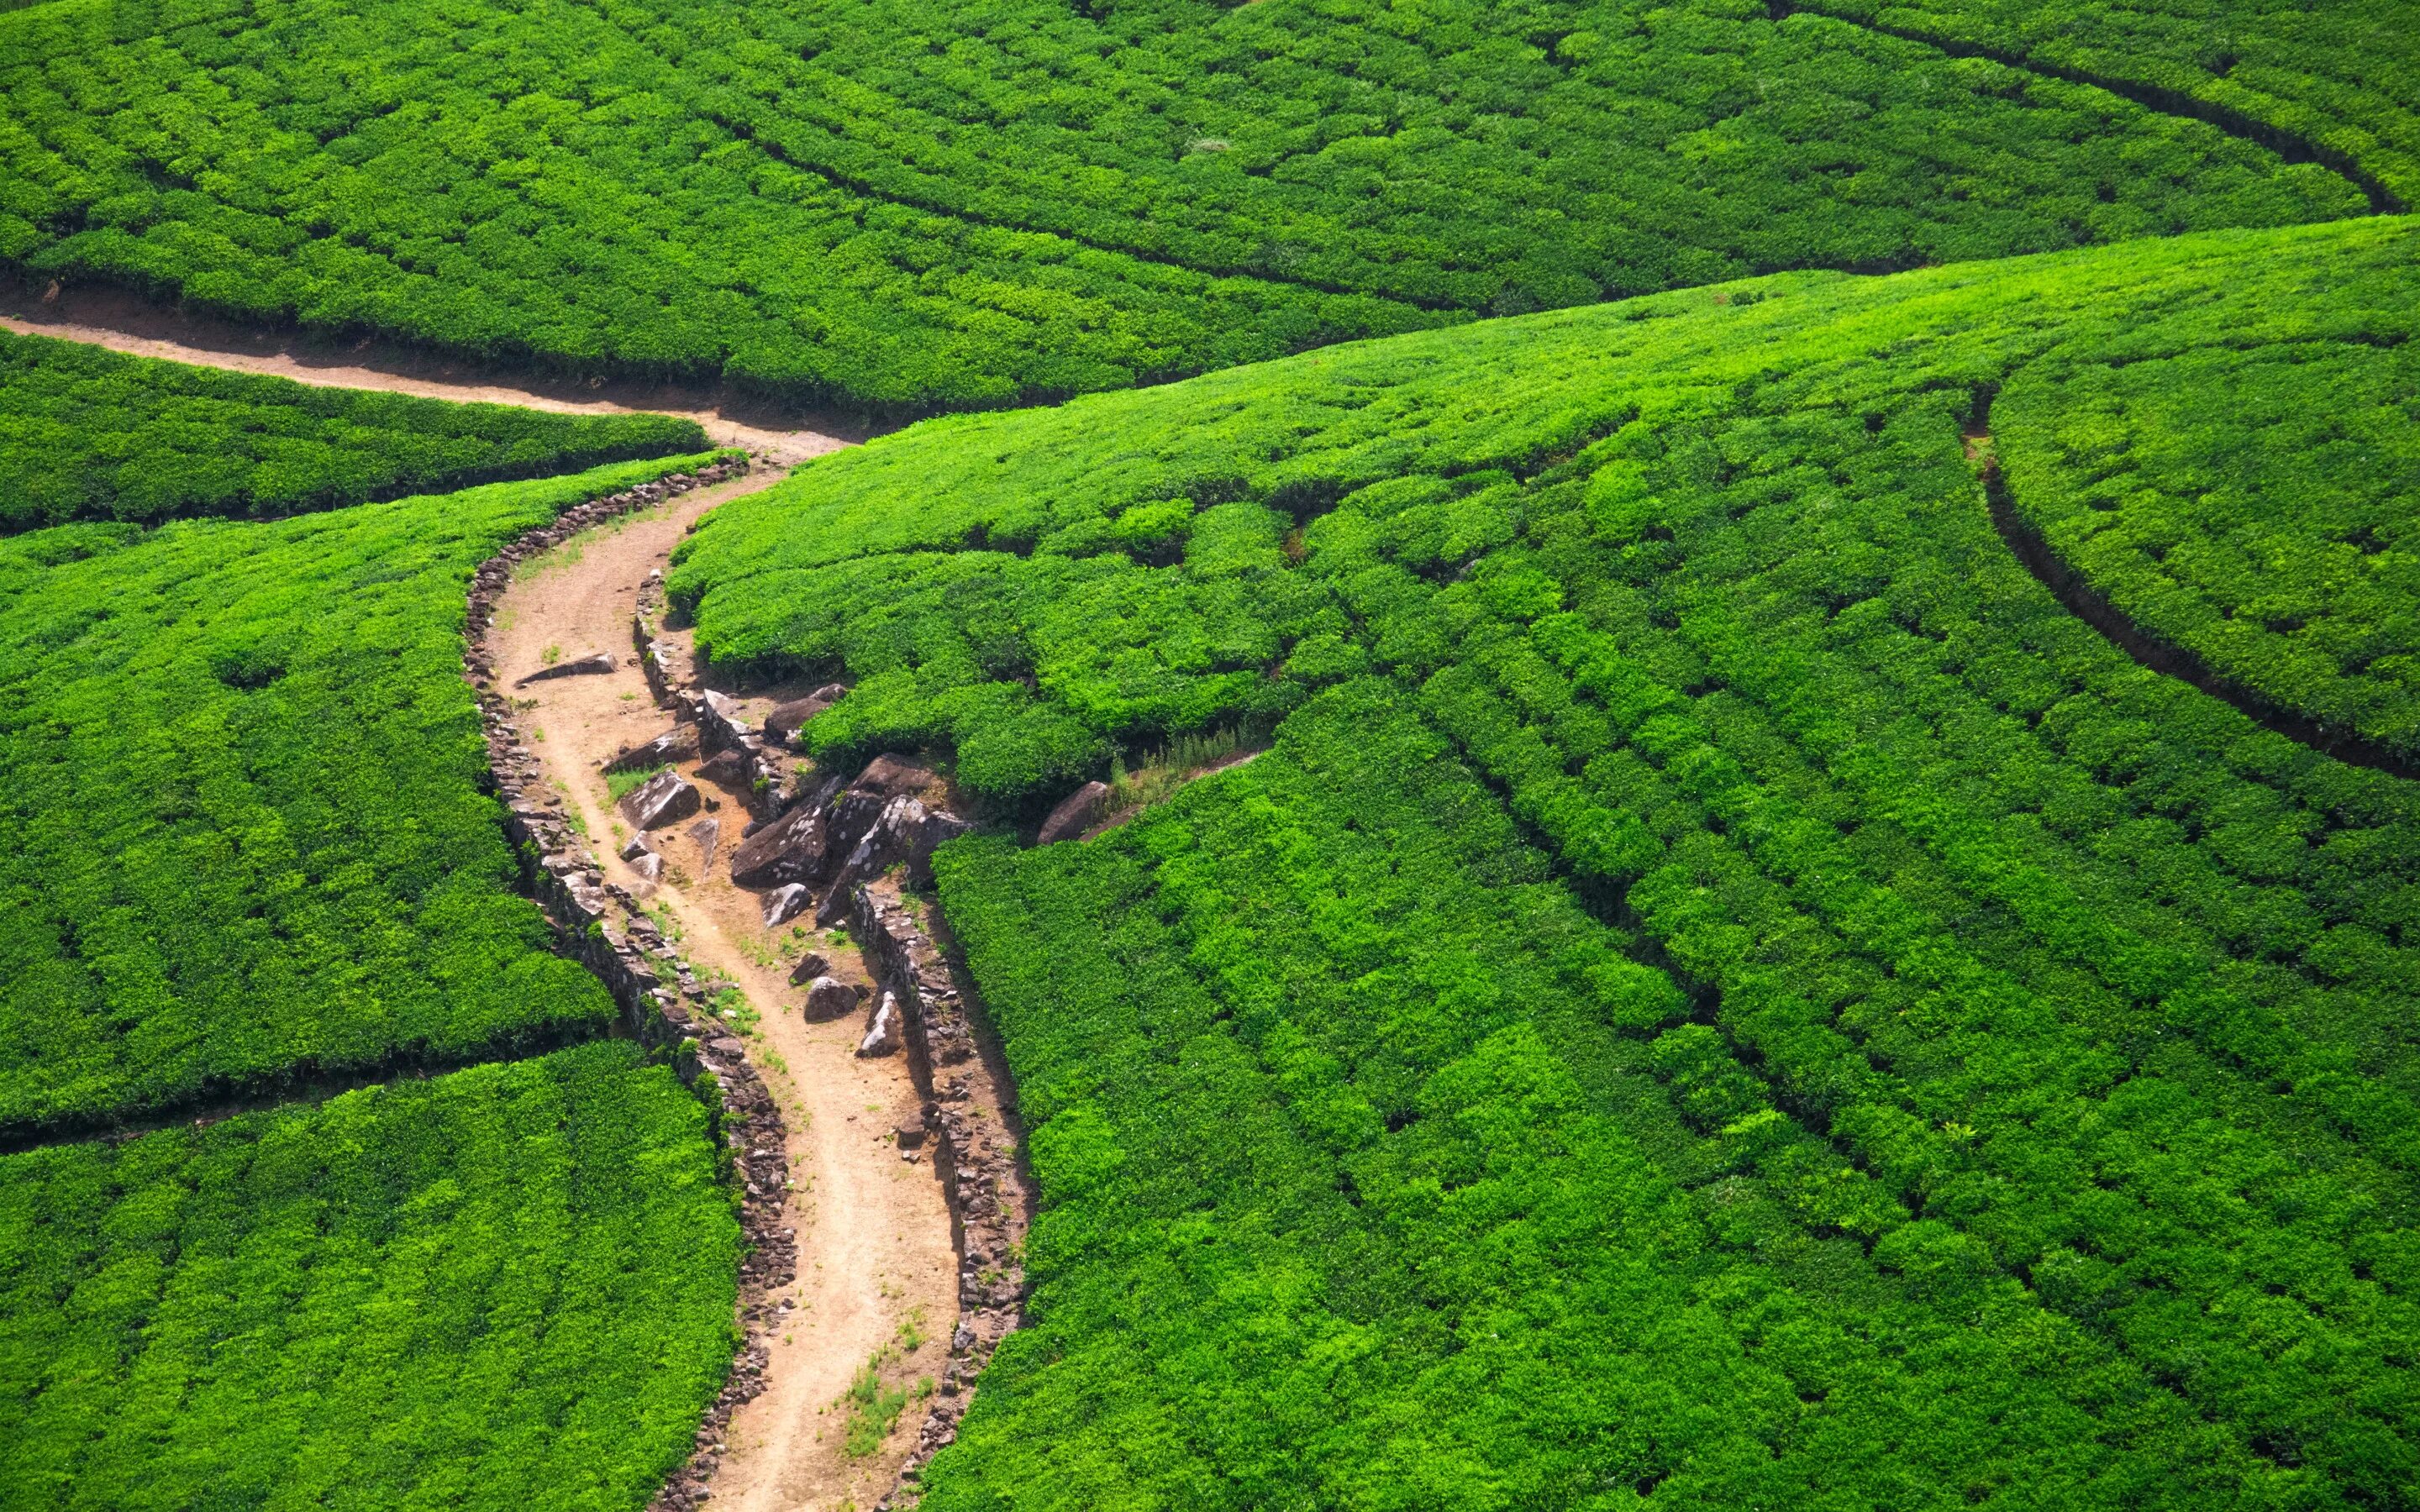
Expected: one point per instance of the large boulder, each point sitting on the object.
(601, 661)
(881, 1029)
(1074, 814)
(828, 998)
(810, 967)
(790, 849)
(665, 798)
(784, 904)
(782, 725)
(709, 834)
(720, 720)
(906, 831)
(861, 805)
(730, 768)
(678, 744)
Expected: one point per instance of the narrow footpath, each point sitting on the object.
(877, 1274)
(123, 322)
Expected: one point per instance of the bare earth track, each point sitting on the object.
(123, 322)
(876, 1269)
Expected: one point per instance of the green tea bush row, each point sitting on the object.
(912, 204)
(509, 1286)
(2251, 506)
(241, 774)
(1368, 1187)
(2019, 969)
(90, 434)
(2337, 78)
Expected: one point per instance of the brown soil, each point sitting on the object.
(875, 1264)
(123, 322)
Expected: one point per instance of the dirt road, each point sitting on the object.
(877, 1272)
(124, 323)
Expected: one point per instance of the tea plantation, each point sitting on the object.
(242, 775)
(1724, 993)
(510, 1286)
(87, 434)
(957, 204)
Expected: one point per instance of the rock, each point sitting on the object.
(649, 865)
(601, 661)
(811, 966)
(720, 720)
(782, 725)
(906, 831)
(829, 998)
(882, 1029)
(1074, 814)
(912, 1134)
(709, 834)
(662, 799)
(637, 848)
(678, 744)
(730, 767)
(790, 849)
(787, 903)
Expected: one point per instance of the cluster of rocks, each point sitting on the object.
(663, 1003)
(969, 1122)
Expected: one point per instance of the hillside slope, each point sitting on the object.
(904, 205)
(1724, 990)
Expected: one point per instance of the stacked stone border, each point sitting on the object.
(663, 1004)
(969, 1108)
(970, 1118)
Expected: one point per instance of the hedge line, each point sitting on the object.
(907, 205)
(241, 774)
(2250, 506)
(88, 433)
(510, 1286)
(2035, 978)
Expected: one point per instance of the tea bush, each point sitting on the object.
(509, 1286)
(958, 205)
(1961, 976)
(90, 434)
(241, 777)
(2251, 506)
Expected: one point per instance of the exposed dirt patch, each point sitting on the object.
(123, 322)
(877, 1274)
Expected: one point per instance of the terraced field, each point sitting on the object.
(1826, 908)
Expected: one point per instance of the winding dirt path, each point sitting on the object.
(123, 322)
(876, 1271)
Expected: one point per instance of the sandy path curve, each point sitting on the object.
(876, 1269)
(124, 323)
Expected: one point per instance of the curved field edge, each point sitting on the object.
(1030, 308)
(512, 1285)
(1898, 888)
(254, 843)
(91, 434)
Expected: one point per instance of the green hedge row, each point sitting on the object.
(88, 433)
(510, 1286)
(241, 774)
(912, 204)
(2337, 78)
(2031, 976)
(2250, 504)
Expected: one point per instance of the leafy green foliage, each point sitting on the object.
(2337, 77)
(1977, 978)
(88, 433)
(240, 771)
(912, 204)
(2253, 505)
(510, 1286)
